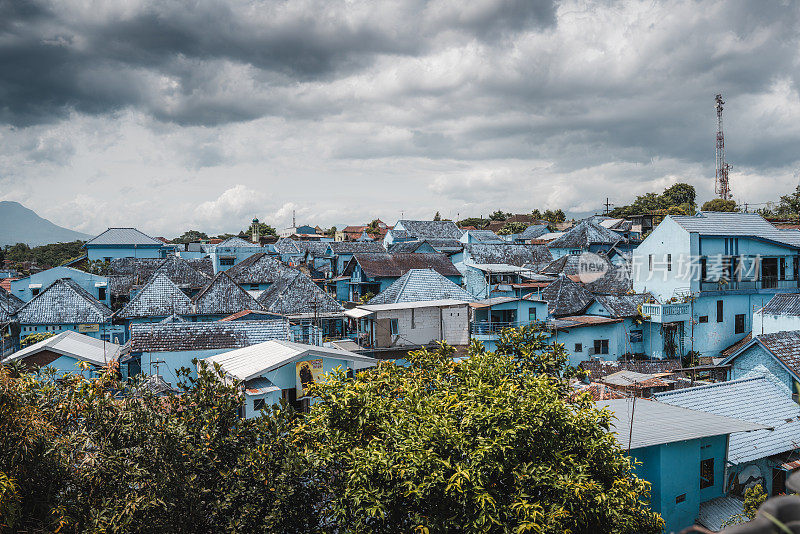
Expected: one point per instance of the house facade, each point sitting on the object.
(125, 243)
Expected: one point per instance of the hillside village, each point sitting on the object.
(690, 322)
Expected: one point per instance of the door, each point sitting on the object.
(769, 273)
(778, 481)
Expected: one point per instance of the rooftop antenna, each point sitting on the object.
(294, 221)
(721, 185)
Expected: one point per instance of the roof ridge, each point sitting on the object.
(710, 386)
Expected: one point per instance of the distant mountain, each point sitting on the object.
(18, 224)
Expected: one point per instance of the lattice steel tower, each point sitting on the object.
(721, 185)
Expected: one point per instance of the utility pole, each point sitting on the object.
(608, 206)
(721, 184)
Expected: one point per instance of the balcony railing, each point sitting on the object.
(495, 327)
(751, 285)
(664, 313)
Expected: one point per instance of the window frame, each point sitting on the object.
(720, 311)
(394, 326)
(578, 347)
(739, 323)
(707, 481)
(259, 404)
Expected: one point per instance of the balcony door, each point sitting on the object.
(769, 273)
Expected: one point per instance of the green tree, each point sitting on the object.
(678, 194)
(478, 222)
(30, 339)
(536, 214)
(718, 204)
(191, 236)
(487, 444)
(263, 230)
(512, 228)
(499, 216)
(753, 499)
(554, 216)
(437, 217)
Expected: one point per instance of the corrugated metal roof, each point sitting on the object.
(174, 337)
(79, 346)
(253, 361)
(656, 423)
(124, 236)
(734, 224)
(714, 513)
(783, 304)
(63, 302)
(762, 399)
(409, 305)
(421, 284)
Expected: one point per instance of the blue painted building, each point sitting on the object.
(683, 454)
(163, 348)
(723, 265)
(277, 370)
(64, 352)
(778, 352)
(340, 253)
(30, 286)
(491, 316)
(588, 236)
(258, 272)
(125, 243)
(66, 306)
(374, 273)
(231, 251)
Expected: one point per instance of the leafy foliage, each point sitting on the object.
(680, 198)
(263, 230)
(51, 255)
(554, 216)
(487, 444)
(512, 228)
(788, 206)
(718, 204)
(499, 215)
(753, 499)
(478, 222)
(437, 216)
(190, 236)
(32, 339)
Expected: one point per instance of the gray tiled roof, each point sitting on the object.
(598, 369)
(258, 269)
(734, 224)
(761, 399)
(124, 236)
(565, 297)
(567, 264)
(157, 337)
(656, 423)
(357, 247)
(405, 246)
(202, 265)
(159, 297)
(485, 236)
(297, 294)
(237, 242)
(128, 273)
(585, 233)
(223, 296)
(421, 284)
(9, 304)
(63, 302)
(396, 265)
(508, 253)
(533, 231)
(616, 281)
(783, 304)
(433, 229)
(785, 346)
(623, 305)
(285, 245)
(314, 249)
(444, 244)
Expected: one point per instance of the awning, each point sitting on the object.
(100, 284)
(34, 286)
(357, 313)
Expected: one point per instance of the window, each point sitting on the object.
(253, 287)
(680, 498)
(601, 346)
(578, 347)
(669, 262)
(702, 319)
(636, 336)
(226, 261)
(259, 404)
(575, 252)
(413, 319)
(707, 473)
(650, 263)
(35, 291)
(394, 327)
(703, 269)
(101, 294)
(738, 323)
(531, 314)
(719, 311)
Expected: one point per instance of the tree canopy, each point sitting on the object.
(512, 228)
(681, 196)
(51, 255)
(190, 236)
(788, 206)
(263, 230)
(718, 204)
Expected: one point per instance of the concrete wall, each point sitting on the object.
(420, 326)
(109, 332)
(767, 323)
(667, 238)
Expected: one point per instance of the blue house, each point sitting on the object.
(491, 316)
(30, 286)
(125, 243)
(683, 454)
(587, 236)
(414, 246)
(160, 349)
(480, 236)
(231, 251)
(373, 273)
(128, 275)
(341, 252)
(781, 313)
(496, 269)
(764, 457)
(723, 266)
(64, 305)
(258, 272)
(289, 251)
(443, 236)
(277, 369)
(421, 284)
(65, 351)
(779, 352)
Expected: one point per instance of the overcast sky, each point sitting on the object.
(168, 117)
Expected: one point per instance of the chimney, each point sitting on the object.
(256, 236)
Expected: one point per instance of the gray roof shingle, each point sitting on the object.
(485, 236)
(584, 234)
(735, 224)
(285, 245)
(533, 231)
(297, 294)
(9, 304)
(158, 337)
(760, 399)
(508, 253)
(432, 229)
(258, 269)
(565, 297)
(223, 296)
(421, 284)
(63, 302)
(396, 265)
(124, 236)
(356, 247)
(159, 297)
(785, 346)
(237, 242)
(623, 305)
(783, 304)
(126, 274)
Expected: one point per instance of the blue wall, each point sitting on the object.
(20, 288)
(102, 252)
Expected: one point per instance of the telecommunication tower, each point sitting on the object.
(721, 185)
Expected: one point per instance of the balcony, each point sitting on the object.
(485, 328)
(766, 283)
(666, 313)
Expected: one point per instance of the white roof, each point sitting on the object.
(357, 313)
(408, 305)
(255, 360)
(550, 236)
(75, 345)
(498, 268)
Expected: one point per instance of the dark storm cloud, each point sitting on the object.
(53, 59)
